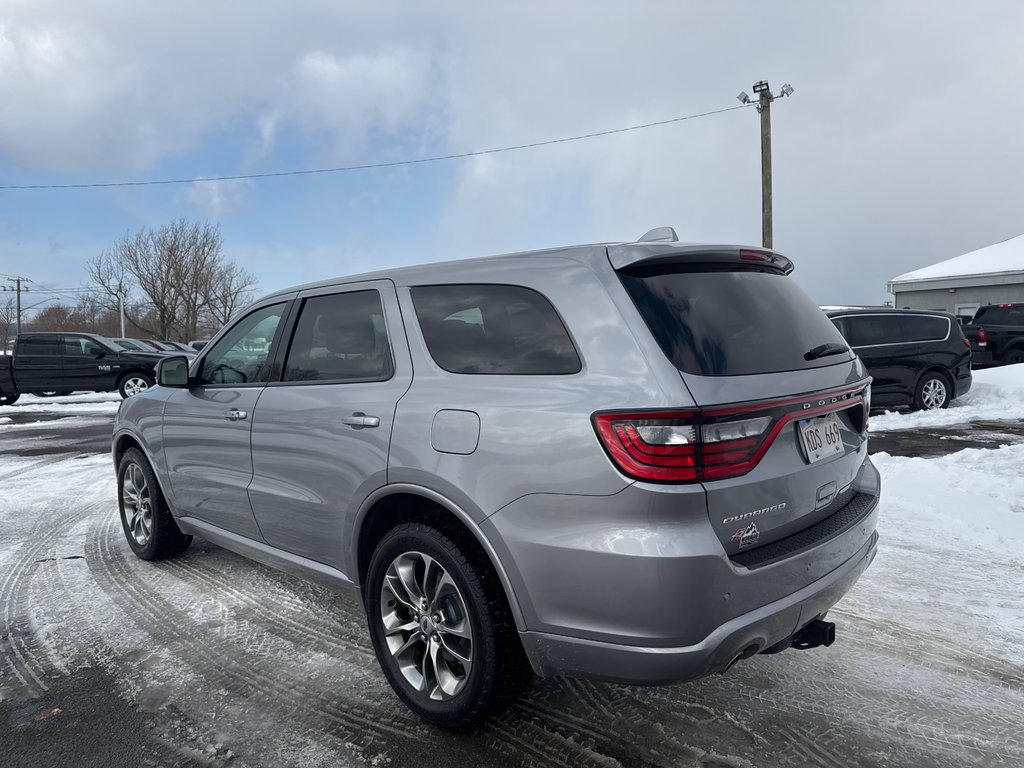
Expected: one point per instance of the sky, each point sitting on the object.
(900, 146)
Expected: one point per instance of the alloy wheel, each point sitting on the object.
(138, 504)
(426, 625)
(933, 394)
(134, 385)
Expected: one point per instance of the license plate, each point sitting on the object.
(820, 437)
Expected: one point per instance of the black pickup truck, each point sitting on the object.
(60, 363)
(997, 335)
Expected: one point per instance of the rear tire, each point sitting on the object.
(146, 519)
(56, 393)
(9, 399)
(133, 383)
(933, 391)
(441, 627)
(1013, 357)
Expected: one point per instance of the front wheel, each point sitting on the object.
(441, 627)
(933, 391)
(133, 383)
(56, 393)
(146, 519)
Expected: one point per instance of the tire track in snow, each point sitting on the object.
(366, 725)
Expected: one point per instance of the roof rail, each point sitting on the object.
(660, 235)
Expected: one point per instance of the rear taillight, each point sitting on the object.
(982, 338)
(681, 446)
(694, 445)
(968, 343)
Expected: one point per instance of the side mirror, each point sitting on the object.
(99, 353)
(173, 372)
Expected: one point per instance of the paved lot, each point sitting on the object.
(212, 660)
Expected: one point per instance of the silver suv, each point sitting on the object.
(639, 462)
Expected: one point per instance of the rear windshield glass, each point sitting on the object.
(731, 322)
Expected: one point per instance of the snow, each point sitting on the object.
(1007, 256)
(996, 394)
(82, 404)
(950, 557)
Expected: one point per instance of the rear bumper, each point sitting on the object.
(742, 636)
(980, 357)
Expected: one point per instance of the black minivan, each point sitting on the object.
(917, 358)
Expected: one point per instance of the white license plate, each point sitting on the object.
(820, 437)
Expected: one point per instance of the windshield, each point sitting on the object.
(731, 322)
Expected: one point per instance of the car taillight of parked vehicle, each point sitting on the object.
(982, 338)
(695, 445)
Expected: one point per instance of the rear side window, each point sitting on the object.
(493, 329)
(730, 322)
(871, 330)
(39, 345)
(341, 337)
(874, 330)
(924, 328)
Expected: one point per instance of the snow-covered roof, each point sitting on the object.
(1002, 258)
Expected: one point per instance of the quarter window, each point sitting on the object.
(924, 328)
(245, 354)
(493, 329)
(340, 338)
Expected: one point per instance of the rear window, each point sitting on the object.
(731, 322)
(1000, 315)
(493, 329)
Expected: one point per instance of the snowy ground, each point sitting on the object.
(211, 660)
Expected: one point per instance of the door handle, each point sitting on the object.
(360, 420)
(235, 415)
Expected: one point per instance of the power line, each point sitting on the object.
(370, 166)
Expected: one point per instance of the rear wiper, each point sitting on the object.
(824, 350)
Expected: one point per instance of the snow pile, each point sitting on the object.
(84, 404)
(997, 393)
(950, 555)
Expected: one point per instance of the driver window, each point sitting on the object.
(243, 355)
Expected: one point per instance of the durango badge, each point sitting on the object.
(747, 536)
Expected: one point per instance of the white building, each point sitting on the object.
(990, 275)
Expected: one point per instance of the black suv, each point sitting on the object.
(917, 358)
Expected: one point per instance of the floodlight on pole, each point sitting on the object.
(764, 103)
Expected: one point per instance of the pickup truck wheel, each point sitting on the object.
(1013, 357)
(147, 521)
(133, 383)
(441, 627)
(9, 399)
(933, 391)
(55, 393)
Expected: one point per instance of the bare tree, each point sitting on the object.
(183, 278)
(8, 322)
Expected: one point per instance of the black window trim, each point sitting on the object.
(949, 327)
(299, 303)
(500, 284)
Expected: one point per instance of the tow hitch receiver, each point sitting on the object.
(816, 633)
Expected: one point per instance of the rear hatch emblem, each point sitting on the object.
(747, 536)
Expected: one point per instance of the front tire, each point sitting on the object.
(933, 392)
(133, 383)
(441, 627)
(146, 519)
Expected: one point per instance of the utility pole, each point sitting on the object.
(764, 108)
(120, 306)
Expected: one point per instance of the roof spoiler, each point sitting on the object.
(660, 253)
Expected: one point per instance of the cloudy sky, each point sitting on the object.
(900, 147)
